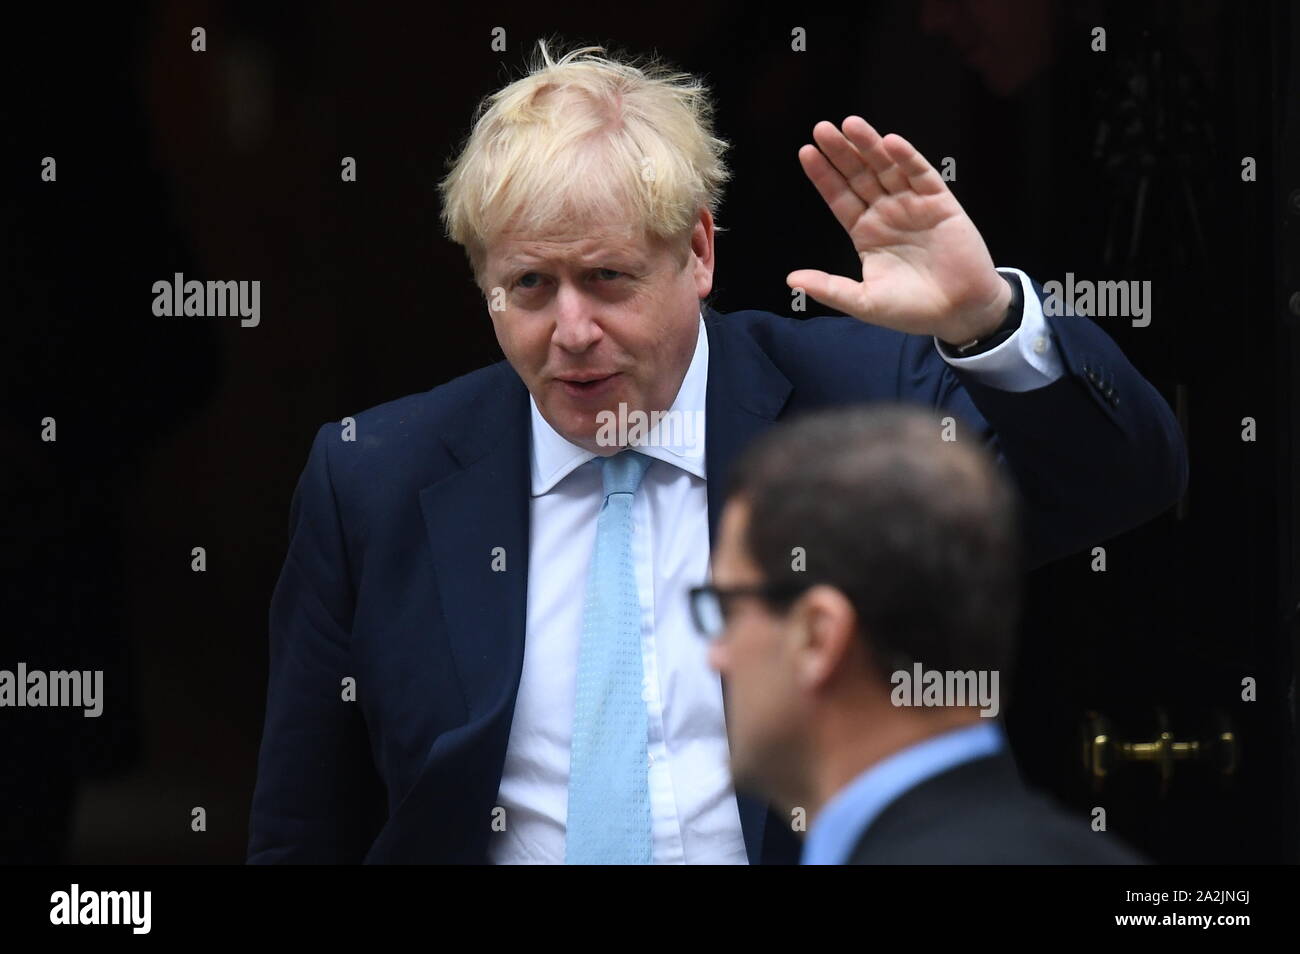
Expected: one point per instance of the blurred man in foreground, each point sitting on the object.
(863, 613)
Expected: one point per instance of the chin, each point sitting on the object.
(574, 424)
(582, 436)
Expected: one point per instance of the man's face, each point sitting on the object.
(597, 317)
(756, 658)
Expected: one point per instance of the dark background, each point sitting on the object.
(224, 164)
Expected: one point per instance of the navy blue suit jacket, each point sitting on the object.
(389, 580)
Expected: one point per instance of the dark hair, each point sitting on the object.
(918, 530)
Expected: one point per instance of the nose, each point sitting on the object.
(576, 328)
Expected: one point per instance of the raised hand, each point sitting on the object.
(925, 268)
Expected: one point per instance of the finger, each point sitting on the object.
(846, 205)
(869, 144)
(840, 293)
(848, 162)
(922, 176)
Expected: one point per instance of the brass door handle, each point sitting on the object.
(1103, 753)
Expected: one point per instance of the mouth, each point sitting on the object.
(588, 386)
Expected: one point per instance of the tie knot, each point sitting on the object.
(623, 471)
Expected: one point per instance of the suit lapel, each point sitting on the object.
(746, 393)
(468, 515)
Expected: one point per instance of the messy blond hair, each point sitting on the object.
(586, 138)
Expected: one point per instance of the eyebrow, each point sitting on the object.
(528, 260)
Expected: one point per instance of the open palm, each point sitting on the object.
(925, 268)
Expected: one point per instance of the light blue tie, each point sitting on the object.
(609, 797)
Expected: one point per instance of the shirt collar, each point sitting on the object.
(840, 824)
(682, 444)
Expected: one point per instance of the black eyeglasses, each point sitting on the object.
(711, 606)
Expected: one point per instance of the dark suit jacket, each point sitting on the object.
(980, 813)
(388, 578)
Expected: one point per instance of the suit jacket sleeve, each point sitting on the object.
(318, 797)
(1094, 453)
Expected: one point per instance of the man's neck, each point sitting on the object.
(844, 751)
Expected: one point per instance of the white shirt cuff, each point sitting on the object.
(1026, 360)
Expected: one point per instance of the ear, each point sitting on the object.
(828, 636)
(702, 247)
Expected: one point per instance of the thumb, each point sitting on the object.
(840, 293)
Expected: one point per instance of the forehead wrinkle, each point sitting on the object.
(587, 252)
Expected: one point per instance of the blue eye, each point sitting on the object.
(612, 273)
(521, 278)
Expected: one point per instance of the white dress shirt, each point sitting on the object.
(694, 816)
